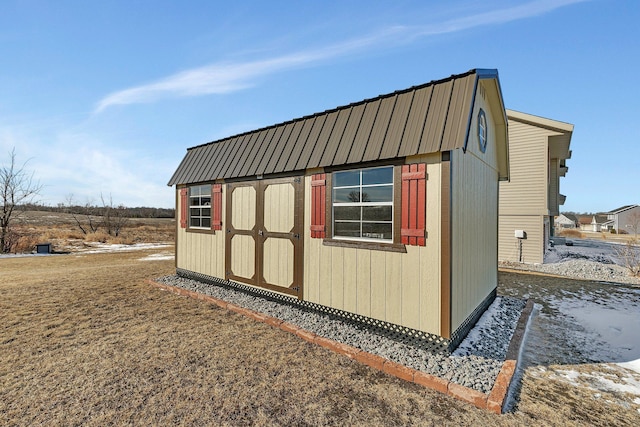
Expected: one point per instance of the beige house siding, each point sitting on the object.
(537, 149)
(401, 288)
(532, 246)
(526, 191)
(201, 252)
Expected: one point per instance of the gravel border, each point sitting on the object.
(474, 364)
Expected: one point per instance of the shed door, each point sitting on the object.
(264, 234)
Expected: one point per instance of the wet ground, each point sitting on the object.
(577, 322)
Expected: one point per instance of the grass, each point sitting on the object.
(84, 341)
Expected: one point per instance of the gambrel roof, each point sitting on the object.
(423, 119)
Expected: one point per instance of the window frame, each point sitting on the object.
(393, 245)
(190, 206)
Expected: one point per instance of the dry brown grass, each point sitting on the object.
(571, 233)
(83, 341)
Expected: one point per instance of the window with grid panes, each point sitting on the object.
(362, 204)
(200, 206)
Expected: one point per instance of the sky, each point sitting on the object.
(103, 98)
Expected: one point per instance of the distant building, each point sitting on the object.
(566, 221)
(596, 223)
(529, 201)
(625, 219)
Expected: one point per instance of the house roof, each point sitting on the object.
(429, 118)
(559, 143)
(622, 209)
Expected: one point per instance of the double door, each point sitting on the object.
(264, 240)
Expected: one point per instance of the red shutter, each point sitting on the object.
(183, 207)
(413, 204)
(216, 207)
(318, 205)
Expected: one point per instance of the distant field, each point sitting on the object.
(84, 341)
(61, 230)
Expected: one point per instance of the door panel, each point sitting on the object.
(265, 222)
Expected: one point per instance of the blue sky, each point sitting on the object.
(104, 97)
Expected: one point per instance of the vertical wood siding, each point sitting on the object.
(401, 288)
(474, 217)
(474, 251)
(201, 252)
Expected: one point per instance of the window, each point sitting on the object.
(362, 203)
(482, 130)
(200, 206)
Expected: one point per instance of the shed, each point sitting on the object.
(385, 210)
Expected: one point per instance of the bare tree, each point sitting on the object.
(85, 216)
(634, 223)
(629, 254)
(114, 218)
(17, 187)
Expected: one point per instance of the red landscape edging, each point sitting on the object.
(493, 401)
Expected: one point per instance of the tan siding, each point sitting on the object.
(201, 252)
(474, 234)
(532, 246)
(401, 288)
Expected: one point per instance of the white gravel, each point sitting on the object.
(585, 259)
(475, 364)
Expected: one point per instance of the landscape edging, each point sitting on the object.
(493, 401)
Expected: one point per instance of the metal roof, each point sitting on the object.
(422, 119)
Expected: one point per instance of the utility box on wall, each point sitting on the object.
(521, 234)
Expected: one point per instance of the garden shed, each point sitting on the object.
(383, 210)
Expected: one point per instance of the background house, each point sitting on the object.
(625, 219)
(566, 221)
(529, 201)
(384, 209)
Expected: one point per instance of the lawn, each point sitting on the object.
(84, 341)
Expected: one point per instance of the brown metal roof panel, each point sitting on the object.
(221, 162)
(397, 125)
(380, 128)
(250, 156)
(293, 147)
(455, 130)
(279, 148)
(364, 132)
(336, 137)
(238, 155)
(205, 157)
(296, 146)
(434, 126)
(191, 166)
(348, 137)
(266, 156)
(232, 146)
(310, 143)
(415, 122)
(323, 141)
(263, 149)
(178, 175)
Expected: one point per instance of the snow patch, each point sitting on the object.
(157, 257)
(101, 248)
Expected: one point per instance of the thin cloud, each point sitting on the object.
(227, 77)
